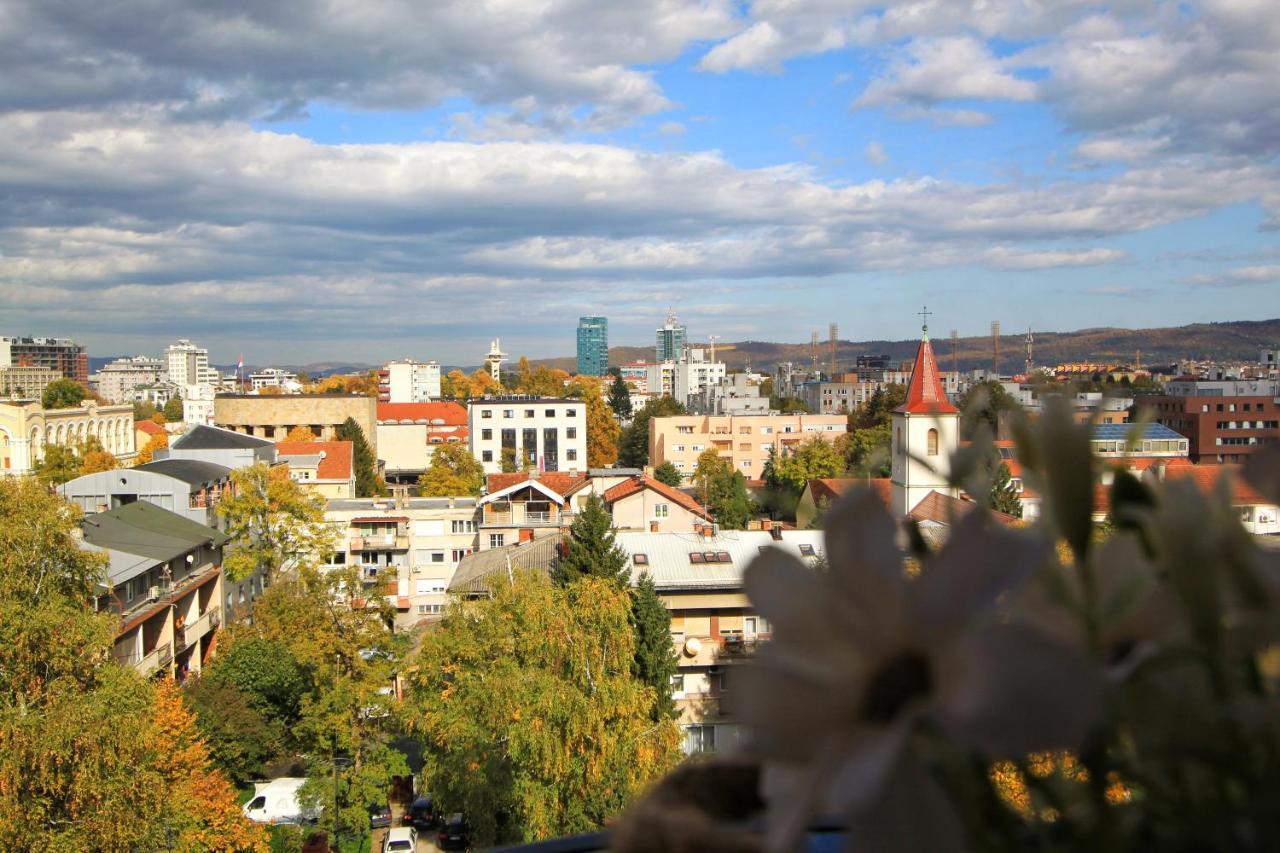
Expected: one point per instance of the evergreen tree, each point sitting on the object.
(633, 446)
(173, 410)
(668, 473)
(655, 661)
(590, 550)
(367, 482)
(620, 398)
(1004, 497)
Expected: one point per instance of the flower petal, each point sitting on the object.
(791, 597)
(1009, 690)
(788, 712)
(910, 814)
(981, 560)
(870, 756)
(865, 562)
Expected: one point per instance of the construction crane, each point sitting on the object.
(955, 340)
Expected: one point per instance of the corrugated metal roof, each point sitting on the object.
(147, 530)
(203, 437)
(669, 565)
(474, 570)
(191, 471)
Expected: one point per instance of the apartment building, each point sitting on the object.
(746, 440)
(593, 346)
(26, 383)
(735, 394)
(409, 381)
(325, 467)
(188, 364)
(670, 340)
(118, 380)
(407, 550)
(275, 377)
(165, 585)
(68, 358)
(1218, 429)
(544, 433)
(408, 433)
(26, 429)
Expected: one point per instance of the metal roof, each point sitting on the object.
(390, 505)
(474, 570)
(668, 561)
(146, 530)
(203, 437)
(1120, 432)
(192, 471)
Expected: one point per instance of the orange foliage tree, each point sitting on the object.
(157, 441)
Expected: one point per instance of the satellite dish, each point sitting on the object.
(323, 454)
(692, 646)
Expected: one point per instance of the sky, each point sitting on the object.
(358, 180)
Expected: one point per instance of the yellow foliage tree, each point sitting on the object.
(159, 419)
(300, 433)
(98, 460)
(482, 383)
(603, 430)
(157, 441)
(455, 385)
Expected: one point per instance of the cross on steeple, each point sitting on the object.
(924, 314)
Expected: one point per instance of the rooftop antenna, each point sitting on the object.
(1030, 352)
(833, 332)
(813, 350)
(995, 348)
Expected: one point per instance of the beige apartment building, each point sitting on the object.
(744, 439)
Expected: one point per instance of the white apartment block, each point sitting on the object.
(686, 378)
(409, 381)
(118, 380)
(275, 377)
(407, 550)
(188, 364)
(541, 433)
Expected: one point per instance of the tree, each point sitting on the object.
(668, 473)
(1003, 496)
(531, 717)
(982, 405)
(267, 673)
(454, 385)
(788, 405)
(602, 428)
(173, 410)
(143, 410)
(453, 471)
(620, 398)
(59, 464)
(95, 458)
(878, 410)
(724, 491)
(274, 523)
(368, 483)
(813, 459)
(159, 419)
(633, 442)
(482, 383)
(590, 550)
(655, 660)
(242, 739)
(80, 768)
(866, 450)
(300, 433)
(154, 443)
(63, 394)
(766, 387)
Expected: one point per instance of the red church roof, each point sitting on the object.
(925, 395)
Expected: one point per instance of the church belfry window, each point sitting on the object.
(931, 443)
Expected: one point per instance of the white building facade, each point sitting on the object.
(548, 434)
(188, 364)
(409, 381)
(926, 432)
(118, 380)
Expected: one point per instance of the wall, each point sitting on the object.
(272, 417)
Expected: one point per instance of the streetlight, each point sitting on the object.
(338, 761)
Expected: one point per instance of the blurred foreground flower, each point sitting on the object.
(866, 665)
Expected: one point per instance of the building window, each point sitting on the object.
(486, 455)
(437, 556)
(459, 553)
(508, 413)
(571, 455)
(570, 432)
(677, 685)
(640, 559)
(699, 739)
(570, 413)
(496, 540)
(464, 526)
(551, 413)
(528, 413)
(660, 510)
(745, 463)
(486, 434)
(486, 413)
(807, 550)
(679, 448)
(931, 443)
(685, 430)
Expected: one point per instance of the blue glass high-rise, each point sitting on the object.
(593, 346)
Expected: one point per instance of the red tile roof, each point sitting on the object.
(560, 482)
(833, 487)
(453, 414)
(336, 464)
(1206, 477)
(636, 485)
(945, 509)
(149, 427)
(925, 394)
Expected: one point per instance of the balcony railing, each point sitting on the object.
(380, 543)
(532, 518)
(160, 656)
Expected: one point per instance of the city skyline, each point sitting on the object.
(764, 167)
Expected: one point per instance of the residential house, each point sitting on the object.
(324, 466)
(745, 440)
(643, 503)
(526, 506)
(408, 433)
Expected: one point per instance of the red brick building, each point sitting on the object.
(1219, 429)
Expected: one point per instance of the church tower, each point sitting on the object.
(926, 431)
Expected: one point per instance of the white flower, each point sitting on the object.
(862, 655)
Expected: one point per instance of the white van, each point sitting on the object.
(277, 802)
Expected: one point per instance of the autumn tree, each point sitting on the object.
(620, 398)
(455, 385)
(590, 549)
(482, 383)
(63, 394)
(668, 473)
(94, 457)
(982, 406)
(59, 464)
(79, 767)
(453, 471)
(633, 442)
(173, 410)
(368, 483)
(300, 433)
(1003, 496)
(724, 490)
(274, 523)
(533, 722)
(655, 659)
(143, 410)
(602, 428)
(154, 443)
(159, 419)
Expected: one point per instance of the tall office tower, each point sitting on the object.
(671, 339)
(61, 354)
(593, 346)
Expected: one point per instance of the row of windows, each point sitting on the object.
(1242, 441)
(1248, 424)
(528, 413)
(570, 455)
(569, 432)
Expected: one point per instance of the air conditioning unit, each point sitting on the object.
(153, 594)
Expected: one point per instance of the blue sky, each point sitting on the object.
(359, 181)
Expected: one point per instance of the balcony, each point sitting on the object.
(518, 516)
(158, 658)
(189, 634)
(381, 542)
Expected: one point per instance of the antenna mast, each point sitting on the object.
(834, 331)
(1030, 352)
(813, 350)
(955, 338)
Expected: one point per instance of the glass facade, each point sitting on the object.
(670, 341)
(593, 346)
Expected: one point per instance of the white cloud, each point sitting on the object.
(945, 69)
(875, 154)
(1003, 258)
(1238, 277)
(671, 128)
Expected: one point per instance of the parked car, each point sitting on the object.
(277, 802)
(421, 813)
(379, 815)
(401, 839)
(454, 834)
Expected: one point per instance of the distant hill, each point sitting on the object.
(1236, 340)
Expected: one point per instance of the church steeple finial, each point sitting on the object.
(924, 325)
